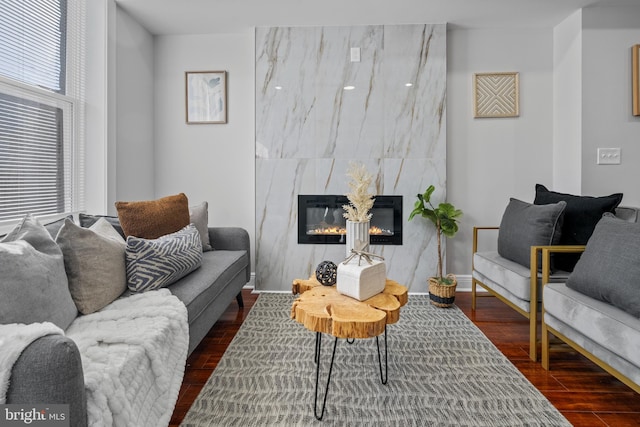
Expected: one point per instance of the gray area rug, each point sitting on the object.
(442, 372)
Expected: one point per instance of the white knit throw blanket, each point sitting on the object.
(14, 338)
(133, 356)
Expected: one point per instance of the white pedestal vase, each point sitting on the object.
(357, 231)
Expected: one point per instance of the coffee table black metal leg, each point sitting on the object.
(384, 378)
(326, 390)
(316, 355)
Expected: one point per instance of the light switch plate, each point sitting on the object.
(355, 54)
(608, 156)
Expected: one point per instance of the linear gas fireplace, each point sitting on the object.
(320, 220)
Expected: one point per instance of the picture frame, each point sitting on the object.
(496, 94)
(635, 78)
(206, 97)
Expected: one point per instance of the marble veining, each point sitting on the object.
(308, 129)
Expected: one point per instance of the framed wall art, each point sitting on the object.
(496, 95)
(206, 97)
(635, 76)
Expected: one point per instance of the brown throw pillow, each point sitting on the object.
(154, 218)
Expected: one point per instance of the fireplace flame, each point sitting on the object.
(337, 230)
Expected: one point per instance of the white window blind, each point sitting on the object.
(41, 107)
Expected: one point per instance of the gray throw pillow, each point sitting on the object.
(200, 218)
(153, 264)
(609, 268)
(94, 259)
(55, 226)
(524, 225)
(33, 282)
(87, 221)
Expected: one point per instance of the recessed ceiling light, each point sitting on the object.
(349, 87)
(408, 84)
(278, 87)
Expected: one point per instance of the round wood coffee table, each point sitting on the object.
(322, 309)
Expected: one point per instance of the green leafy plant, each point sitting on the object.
(444, 217)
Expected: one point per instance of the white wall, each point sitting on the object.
(119, 109)
(100, 169)
(134, 157)
(490, 160)
(213, 162)
(567, 105)
(607, 120)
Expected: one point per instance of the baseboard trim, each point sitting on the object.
(464, 283)
(251, 284)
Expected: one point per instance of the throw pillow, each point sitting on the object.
(153, 264)
(154, 218)
(33, 282)
(54, 226)
(94, 259)
(610, 265)
(580, 218)
(524, 225)
(88, 220)
(199, 216)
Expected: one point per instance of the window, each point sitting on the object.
(41, 107)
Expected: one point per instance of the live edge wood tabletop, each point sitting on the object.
(322, 309)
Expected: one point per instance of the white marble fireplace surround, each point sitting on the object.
(308, 129)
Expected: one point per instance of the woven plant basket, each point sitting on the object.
(442, 295)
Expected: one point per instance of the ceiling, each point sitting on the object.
(232, 16)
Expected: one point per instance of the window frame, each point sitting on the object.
(72, 105)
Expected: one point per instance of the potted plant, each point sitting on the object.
(442, 289)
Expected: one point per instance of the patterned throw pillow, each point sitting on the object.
(153, 264)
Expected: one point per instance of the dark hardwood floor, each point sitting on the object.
(584, 393)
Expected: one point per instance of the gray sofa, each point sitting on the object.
(596, 310)
(50, 370)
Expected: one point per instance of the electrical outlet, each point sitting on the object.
(608, 156)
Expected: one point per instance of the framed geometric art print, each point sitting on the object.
(496, 95)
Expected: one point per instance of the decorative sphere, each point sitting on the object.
(327, 273)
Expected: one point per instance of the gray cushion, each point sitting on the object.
(55, 226)
(491, 269)
(34, 284)
(95, 264)
(201, 288)
(155, 263)
(610, 327)
(609, 269)
(88, 220)
(200, 218)
(524, 225)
